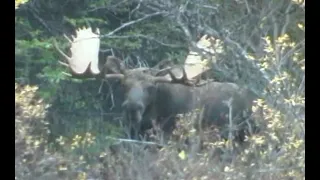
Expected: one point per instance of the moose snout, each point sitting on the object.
(133, 111)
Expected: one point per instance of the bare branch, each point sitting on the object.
(148, 38)
(45, 25)
(230, 134)
(247, 6)
(302, 85)
(275, 36)
(133, 22)
(284, 28)
(135, 9)
(207, 6)
(291, 51)
(106, 50)
(183, 26)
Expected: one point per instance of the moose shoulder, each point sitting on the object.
(152, 93)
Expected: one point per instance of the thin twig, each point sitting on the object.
(146, 37)
(132, 22)
(33, 12)
(284, 28)
(134, 141)
(247, 6)
(135, 9)
(229, 104)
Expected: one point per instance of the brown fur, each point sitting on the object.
(162, 101)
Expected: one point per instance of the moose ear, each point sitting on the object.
(114, 65)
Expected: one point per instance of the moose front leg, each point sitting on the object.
(136, 130)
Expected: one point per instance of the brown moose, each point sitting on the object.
(152, 93)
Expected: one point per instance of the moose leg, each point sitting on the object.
(136, 130)
(126, 123)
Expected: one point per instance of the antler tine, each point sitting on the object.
(196, 63)
(173, 79)
(184, 75)
(64, 64)
(68, 39)
(162, 71)
(182, 80)
(60, 51)
(114, 76)
(73, 37)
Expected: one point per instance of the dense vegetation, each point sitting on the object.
(69, 128)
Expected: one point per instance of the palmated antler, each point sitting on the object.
(175, 75)
(195, 64)
(85, 55)
(84, 51)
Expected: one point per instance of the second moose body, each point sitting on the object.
(152, 93)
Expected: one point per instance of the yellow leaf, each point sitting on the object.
(301, 26)
(36, 143)
(62, 168)
(182, 155)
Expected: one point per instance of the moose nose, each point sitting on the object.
(134, 110)
(134, 115)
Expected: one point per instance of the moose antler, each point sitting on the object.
(194, 63)
(85, 55)
(188, 74)
(175, 75)
(84, 51)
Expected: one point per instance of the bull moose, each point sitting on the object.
(153, 93)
